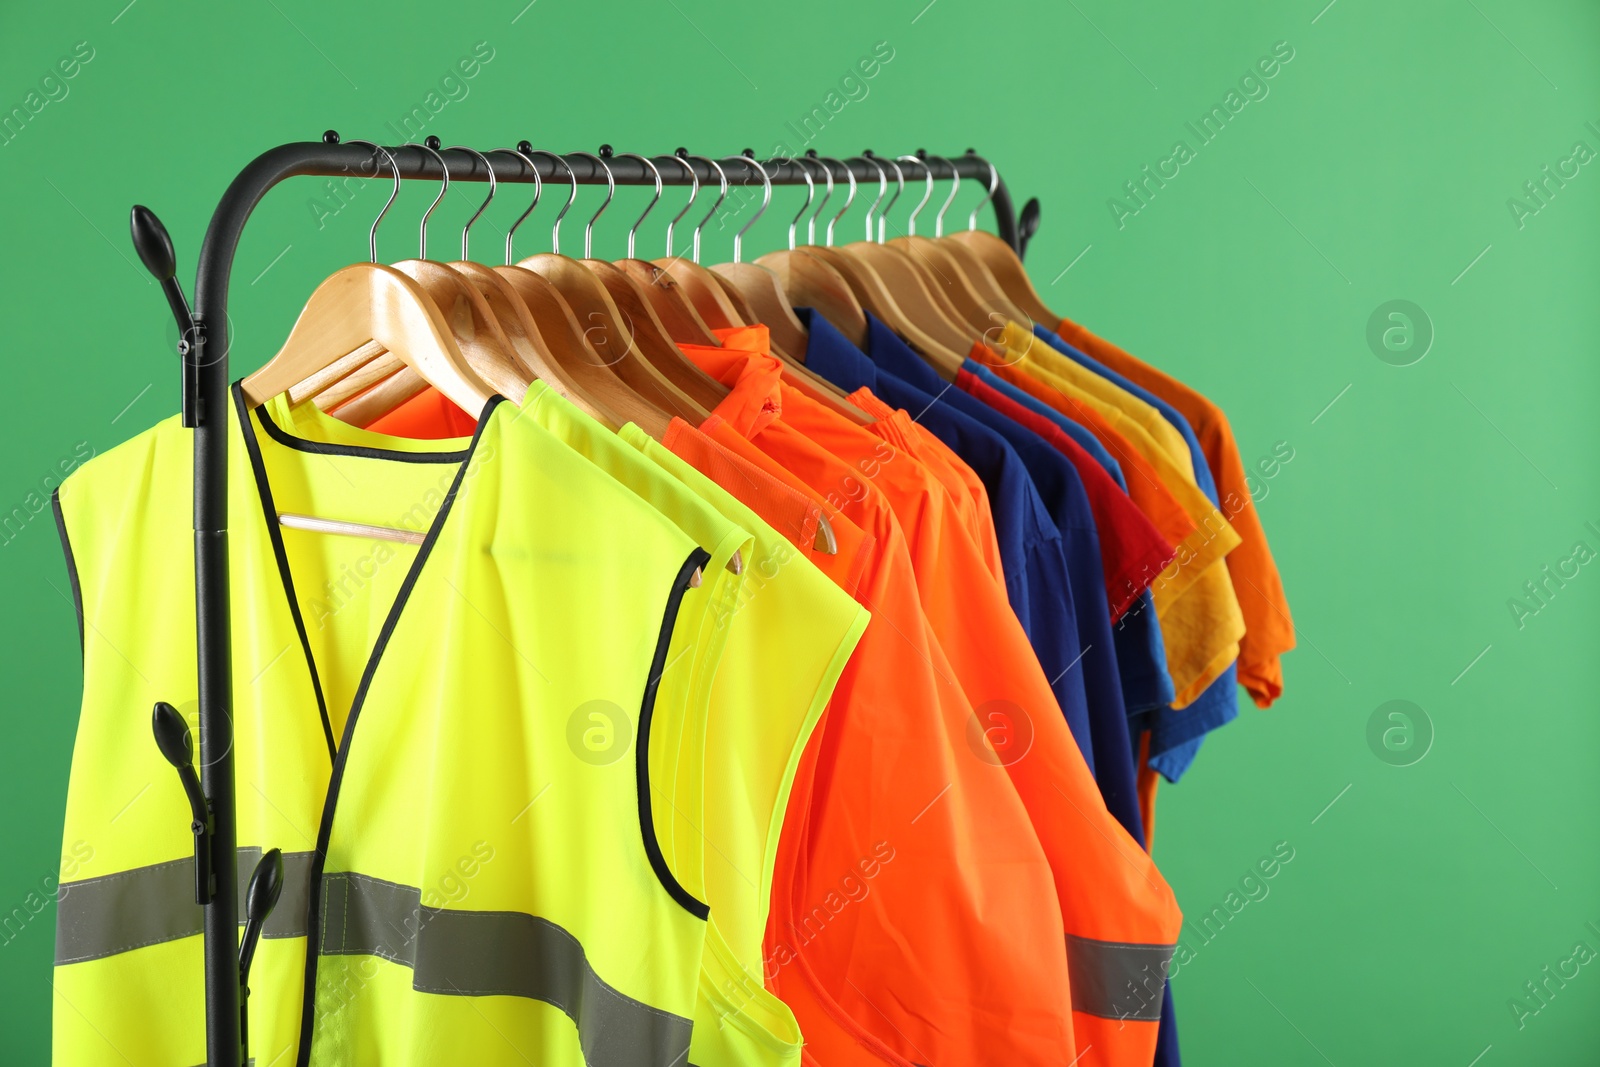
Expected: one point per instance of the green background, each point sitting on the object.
(1420, 898)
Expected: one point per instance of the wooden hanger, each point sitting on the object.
(603, 328)
(794, 368)
(876, 298)
(901, 278)
(651, 337)
(335, 372)
(683, 322)
(648, 405)
(711, 302)
(348, 377)
(762, 290)
(920, 328)
(944, 278)
(528, 343)
(380, 303)
(477, 333)
(812, 283)
(563, 357)
(983, 280)
(809, 280)
(794, 365)
(632, 338)
(989, 259)
(1008, 271)
(945, 281)
(475, 330)
(662, 292)
(715, 306)
(368, 302)
(974, 292)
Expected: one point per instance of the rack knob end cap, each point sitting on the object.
(1028, 220)
(151, 241)
(266, 885)
(172, 735)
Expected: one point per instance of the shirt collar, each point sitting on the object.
(752, 378)
(830, 354)
(889, 353)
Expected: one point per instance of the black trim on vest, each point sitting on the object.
(269, 515)
(72, 563)
(652, 847)
(342, 755)
(327, 448)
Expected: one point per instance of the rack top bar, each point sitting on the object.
(419, 163)
(328, 158)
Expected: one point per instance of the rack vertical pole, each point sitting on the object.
(213, 634)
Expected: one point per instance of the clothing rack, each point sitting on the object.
(203, 348)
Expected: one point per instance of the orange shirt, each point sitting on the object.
(1115, 906)
(428, 416)
(1269, 631)
(967, 493)
(767, 489)
(966, 490)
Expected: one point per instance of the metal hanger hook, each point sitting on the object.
(722, 194)
(572, 195)
(848, 200)
(883, 190)
(466, 231)
(811, 194)
(994, 183)
(372, 235)
(900, 187)
(611, 191)
(444, 187)
(538, 191)
(955, 187)
(911, 223)
(632, 230)
(827, 174)
(694, 193)
(766, 199)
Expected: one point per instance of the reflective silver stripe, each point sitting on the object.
(1117, 980)
(498, 953)
(114, 913)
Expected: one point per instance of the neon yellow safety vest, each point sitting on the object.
(447, 739)
(791, 633)
(782, 634)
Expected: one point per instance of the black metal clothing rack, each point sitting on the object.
(203, 346)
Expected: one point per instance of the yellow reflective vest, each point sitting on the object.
(783, 632)
(449, 740)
